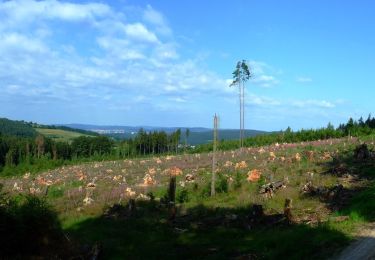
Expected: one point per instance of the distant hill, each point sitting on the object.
(198, 135)
(16, 128)
(223, 134)
(67, 132)
(30, 129)
(130, 129)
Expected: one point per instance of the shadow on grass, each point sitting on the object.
(359, 201)
(30, 229)
(231, 233)
(205, 233)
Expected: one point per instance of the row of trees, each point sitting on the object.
(17, 128)
(155, 142)
(42, 152)
(359, 127)
(352, 128)
(29, 151)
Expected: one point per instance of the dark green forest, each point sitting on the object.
(16, 128)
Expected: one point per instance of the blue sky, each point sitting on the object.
(169, 63)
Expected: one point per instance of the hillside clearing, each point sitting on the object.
(58, 134)
(322, 178)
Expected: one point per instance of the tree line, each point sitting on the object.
(21, 154)
(17, 128)
(351, 128)
(34, 153)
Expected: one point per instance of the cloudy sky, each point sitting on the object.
(169, 63)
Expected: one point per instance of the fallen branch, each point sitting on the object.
(270, 188)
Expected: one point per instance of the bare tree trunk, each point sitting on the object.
(243, 113)
(213, 179)
(240, 95)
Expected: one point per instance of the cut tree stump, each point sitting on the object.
(288, 211)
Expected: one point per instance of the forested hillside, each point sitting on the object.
(16, 128)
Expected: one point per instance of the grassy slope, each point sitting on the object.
(127, 238)
(59, 135)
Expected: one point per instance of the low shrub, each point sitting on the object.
(182, 196)
(28, 227)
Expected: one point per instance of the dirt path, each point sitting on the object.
(363, 248)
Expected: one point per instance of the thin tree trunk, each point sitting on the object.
(239, 86)
(243, 113)
(213, 179)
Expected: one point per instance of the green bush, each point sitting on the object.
(182, 196)
(55, 192)
(28, 227)
(262, 180)
(237, 181)
(221, 186)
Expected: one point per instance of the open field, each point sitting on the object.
(58, 134)
(326, 184)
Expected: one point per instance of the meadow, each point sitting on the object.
(124, 205)
(59, 135)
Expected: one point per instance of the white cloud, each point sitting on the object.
(155, 18)
(120, 48)
(166, 51)
(303, 79)
(313, 103)
(266, 101)
(262, 101)
(18, 11)
(18, 42)
(263, 74)
(178, 99)
(139, 32)
(265, 81)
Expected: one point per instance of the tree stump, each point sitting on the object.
(131, 206)
(288, 211)
(362, 152)
(256, 212)
(172, 190)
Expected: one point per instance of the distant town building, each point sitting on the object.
(106, 131)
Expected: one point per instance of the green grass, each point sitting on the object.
(149, 235)
(59, 135)
(55, 192)
(220, 240)
(206, 231)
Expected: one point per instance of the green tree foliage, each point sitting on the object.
(16, 128)
(352, 127)
(29, 228)
(240, 75)
(155, 142)
(26, 153)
